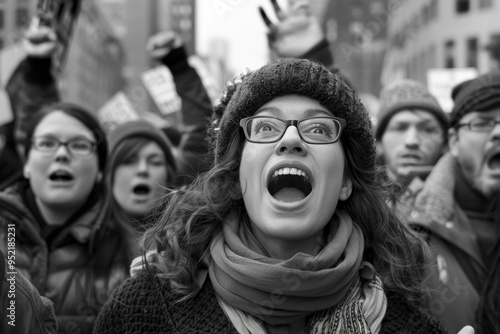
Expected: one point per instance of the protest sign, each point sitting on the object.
(161, 86)
(117, 110)
(440, 82)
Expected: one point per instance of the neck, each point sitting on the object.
(56, 215)
(277, 248)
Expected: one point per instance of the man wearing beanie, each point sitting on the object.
(459, 208)
(411, 137)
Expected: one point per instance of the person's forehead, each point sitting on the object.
(492, 113)
(58, 124)
(414, 114)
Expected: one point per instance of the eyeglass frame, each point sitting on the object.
(93, 146)
(490, 121)
(292, 122)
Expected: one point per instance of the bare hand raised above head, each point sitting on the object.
(160, 44)
(40, 41)
(296, 32)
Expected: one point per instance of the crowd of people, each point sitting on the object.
(280, 209)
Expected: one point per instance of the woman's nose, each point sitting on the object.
(291, 143)
(62, 153)
(142, 167)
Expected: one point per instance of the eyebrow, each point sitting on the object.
(307, 113)
(423, 121)
(49, 135)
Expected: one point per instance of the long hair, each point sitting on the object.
(131, 227)
(195, 215)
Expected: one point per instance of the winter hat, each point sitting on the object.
(480, 94)
(406, 94)
(142, 129)
(288, 76)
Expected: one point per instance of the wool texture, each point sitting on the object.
(146, 305)
(288, 76)
(480, 94)
(406, 94)
(142, 129)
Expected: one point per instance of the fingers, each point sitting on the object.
(264, 16)
(277, 9)
(467, 330)
(162, 43)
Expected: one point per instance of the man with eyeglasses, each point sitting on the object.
(459, 208)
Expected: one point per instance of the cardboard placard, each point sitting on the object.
(117, 110)
(161, 86)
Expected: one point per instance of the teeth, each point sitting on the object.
(292, 171)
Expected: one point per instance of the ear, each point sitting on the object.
(98, 178)
(26, 171)
(453, 141)
(346, 190)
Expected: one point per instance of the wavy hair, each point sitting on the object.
(193, 216)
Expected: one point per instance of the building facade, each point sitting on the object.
(439, 34)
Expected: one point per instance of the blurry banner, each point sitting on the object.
(161, 86)
(117, 110)
(213, 90)
(61, 15)
(440, 82)
(10, 57)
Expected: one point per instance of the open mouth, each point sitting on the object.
(289, 185)
(141, 189)
(61, 176)
(494, 162)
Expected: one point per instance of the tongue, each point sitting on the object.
(289, 195)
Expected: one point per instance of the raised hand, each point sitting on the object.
(467, 330)
(296, 32)
(160, 44)
(40, 41)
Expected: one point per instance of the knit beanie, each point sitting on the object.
(480, 94)
(406, 94)
(142, 129)
(288, 76)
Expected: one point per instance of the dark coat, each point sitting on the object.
(77, 270)
(24, 311)
(458, 270)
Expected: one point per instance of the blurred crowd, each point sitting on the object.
(84, 211)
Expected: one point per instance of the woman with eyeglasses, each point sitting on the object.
(64, 242)
(288, 232)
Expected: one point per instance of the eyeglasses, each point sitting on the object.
(79, 146)
(480, 124)
(316, 130)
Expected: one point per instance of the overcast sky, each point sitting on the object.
(239, 23)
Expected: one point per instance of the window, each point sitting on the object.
(1, 43)
(449, 54)
(1, 18)
(472, 48)
(485, 3)
(22, 17)
(462, 6)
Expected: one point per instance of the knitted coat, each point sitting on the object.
(144, 304)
